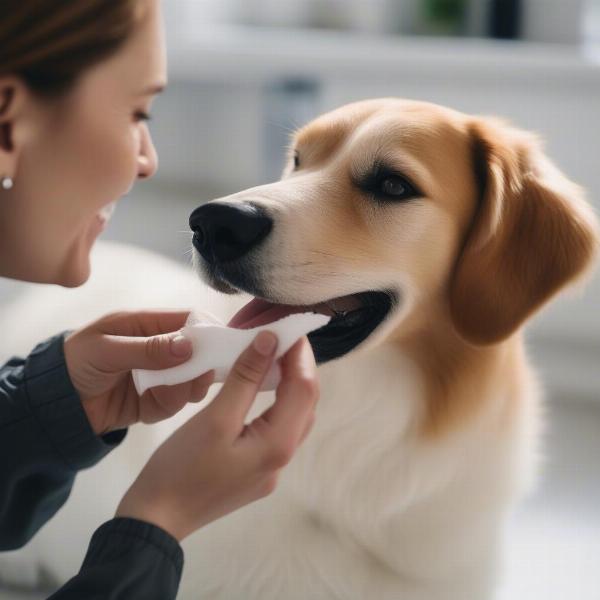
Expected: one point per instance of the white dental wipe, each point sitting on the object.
(216, 346)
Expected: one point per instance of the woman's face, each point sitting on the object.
(75, 157)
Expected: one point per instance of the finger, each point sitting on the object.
(143, 323)
(232, 403)
(113, 353)
(201, 385)
(170, 399)
(165, 401)
(307, 427)
(296, 397)
(299, 360)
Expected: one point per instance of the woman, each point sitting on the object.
(77, 80)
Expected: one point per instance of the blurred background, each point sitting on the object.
(244, 73)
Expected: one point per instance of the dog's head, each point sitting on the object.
(389, 207)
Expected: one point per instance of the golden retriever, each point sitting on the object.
(430, 236)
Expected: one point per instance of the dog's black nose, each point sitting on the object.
(225, 232)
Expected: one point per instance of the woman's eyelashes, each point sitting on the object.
(141, 115)
(386, 184)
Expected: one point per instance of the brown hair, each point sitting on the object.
(50, 43)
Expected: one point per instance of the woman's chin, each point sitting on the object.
(77, 268)
(75, 275)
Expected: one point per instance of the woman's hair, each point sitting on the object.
(50, 43)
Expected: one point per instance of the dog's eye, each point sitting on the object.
(395, 186)
(296, 160)
(386, 184)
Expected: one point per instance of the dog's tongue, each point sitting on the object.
(260, 312)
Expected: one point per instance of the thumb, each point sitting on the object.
(122, 353)
(232, 403)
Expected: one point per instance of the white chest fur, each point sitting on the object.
(367, 508)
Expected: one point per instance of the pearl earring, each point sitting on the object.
(7, 183)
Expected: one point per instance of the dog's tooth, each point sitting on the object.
(336, 312)
(323, 308)
(336, 307)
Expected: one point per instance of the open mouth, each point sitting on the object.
(354, 318)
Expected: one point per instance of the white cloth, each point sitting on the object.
(216, 346)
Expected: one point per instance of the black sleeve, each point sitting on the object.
(45, 438)
(127, 559)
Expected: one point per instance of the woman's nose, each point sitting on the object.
(147, 159)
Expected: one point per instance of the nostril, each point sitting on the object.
(198, 237)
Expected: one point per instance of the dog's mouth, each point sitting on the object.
(354, 318)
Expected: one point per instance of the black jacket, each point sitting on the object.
(45, 439)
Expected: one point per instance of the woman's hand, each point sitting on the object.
(214, 463)
(100, 357)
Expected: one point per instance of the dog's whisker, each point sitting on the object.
(323, 253)
(283, 126)
(284, 265)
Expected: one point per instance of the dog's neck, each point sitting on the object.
(457, 376)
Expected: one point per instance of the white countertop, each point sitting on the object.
(242, 53)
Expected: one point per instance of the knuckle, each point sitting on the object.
(121, 322)
(208, 378)
(268, 485)
(202, 393)
(153, 347)
(117, 314)
(308, 388)
(110, 318)
(277, 457)
(247, 371)
(201, 387)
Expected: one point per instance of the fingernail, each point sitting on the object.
(265, 342)
(307, 359)
(180, 346)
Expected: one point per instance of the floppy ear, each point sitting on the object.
(531, 234)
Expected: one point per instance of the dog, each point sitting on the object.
(430, 237)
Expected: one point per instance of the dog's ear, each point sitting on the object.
(532, 232)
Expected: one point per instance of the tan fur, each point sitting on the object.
(527, 240)
(457, 375)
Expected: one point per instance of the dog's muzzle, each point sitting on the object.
(226, 234)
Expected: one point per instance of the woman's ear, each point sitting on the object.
(13, 97)
(531, 234)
